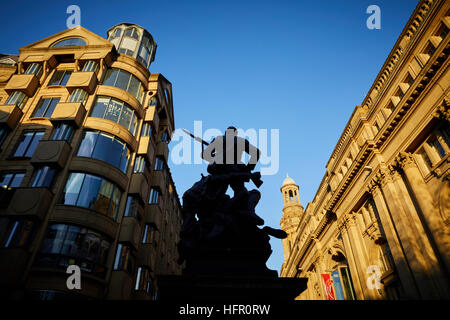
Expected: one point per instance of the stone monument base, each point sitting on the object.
(228, 288)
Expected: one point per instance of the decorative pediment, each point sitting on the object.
(89, 37)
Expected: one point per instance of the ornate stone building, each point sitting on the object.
(378, 226)
(84, 133)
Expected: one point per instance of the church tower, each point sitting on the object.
(292, 211)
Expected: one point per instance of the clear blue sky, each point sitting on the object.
(297, 66)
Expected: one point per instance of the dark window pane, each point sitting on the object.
(103, 147)
(87, 143)
(40, 108)
(33, 144)
(122, 80)
(113, 110)
(110, 77)
(16, 181)
(65, 78)
(89, 191)
(57, 77)
(72, 188)
(100, 106)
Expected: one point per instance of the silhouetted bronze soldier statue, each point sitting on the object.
(212, 221)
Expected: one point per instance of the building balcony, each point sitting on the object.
(83, 80)
(120, 286)
(153, 215)
(130, 231)
(73, 112)
(85, 217)
(26, 83)
(30, 202)
(12, 271)
(162, 149)
(146, 148)
(158, 178)
(146, 255)
(50, 152)
(10, 115)
(151, 115)
(139, 185)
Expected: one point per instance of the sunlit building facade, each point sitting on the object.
(378, 226)
(84, 133)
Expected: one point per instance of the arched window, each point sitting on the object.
(70, 42)
(291, 196)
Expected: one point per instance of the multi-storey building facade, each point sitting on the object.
(84, 133)
(378, 226)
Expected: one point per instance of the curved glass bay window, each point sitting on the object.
(105, 147)
(65, 244)
(116, 111)
(94, 192)
(126, 81)
(15, 233)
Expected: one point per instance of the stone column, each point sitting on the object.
(402, 268)
(411, 233)
(430, 211)
(358, 283)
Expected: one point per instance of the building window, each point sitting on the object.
(28, 142)
(143, 280)
(15, 233)
(71, 42)
(93, 192)
(132, 33)
(125, 258)
(9, 181)
(126, 81)
(45, 108)
(90, 66)
(435, 148)
(146, 129)
(65, 245)
(3, 134)
(60, 78)
(115, 34)
(34, 68)
(159, 163)
(154, 196)
(63, 131)
(164, 136)
(43, 177)
(116, 111)
(105, 147)
(132, 207)
(145, 51)
(79, 95)
(17, 98)
(139, 165)
(148, 236)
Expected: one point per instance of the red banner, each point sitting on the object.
(328, 285)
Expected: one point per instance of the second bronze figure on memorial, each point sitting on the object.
(220, 232)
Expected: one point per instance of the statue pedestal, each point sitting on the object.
(228, 288)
